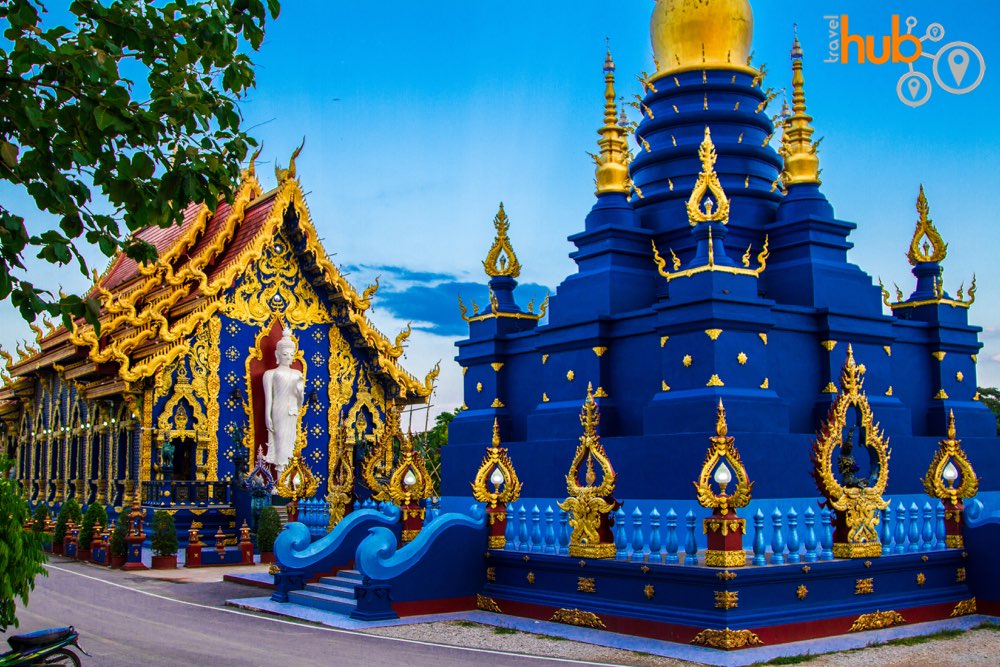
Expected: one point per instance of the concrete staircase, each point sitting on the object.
(333, 594)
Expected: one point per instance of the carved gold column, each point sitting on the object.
(212, 401)
(145, 440)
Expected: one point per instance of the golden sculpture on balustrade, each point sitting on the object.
(377, 467)
(501, 260)
(858, 505)
(409, 485)
(498, 470)
(940, 479)
(340, 483)
(588, 504)
(297, 481)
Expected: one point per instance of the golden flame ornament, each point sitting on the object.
(708, 192)
(497, 471)
(951, 465)
(377, 466)
(501, 260)
(589, 504)
(856, 533)
(296, 480)
(927, 244)
(410, 484)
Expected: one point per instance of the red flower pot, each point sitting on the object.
(165, 562)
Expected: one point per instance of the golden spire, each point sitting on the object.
(797, 147)
(927, 244)
(501, 260)
(721, 428)
(707, 184)
(701, 35)
(612, 163)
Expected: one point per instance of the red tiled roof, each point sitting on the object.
(253, 221)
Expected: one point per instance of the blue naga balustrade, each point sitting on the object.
(982, 543)
(432, 573)
(300, 559)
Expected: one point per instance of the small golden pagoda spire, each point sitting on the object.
(612, 163)
(797, 147)
(927, 244)
(707, 184)
(501, 260)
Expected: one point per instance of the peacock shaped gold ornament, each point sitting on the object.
(940, 479)
(498, 471)
(858, 503)
(590, 503)
(715, 469)
(501, 260)
(410, 484)
(927, 244)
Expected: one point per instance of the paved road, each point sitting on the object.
(127, 620)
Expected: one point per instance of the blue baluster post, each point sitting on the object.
(536, 530)
(638, 540)
(939, 529)
(672, 543)
(899, 544)
(510, 533)
(621, 539)
(758, 539)
(655, 550)
(690, 545)
(522, 529)
(550, 531)
(793, 536)
(927, 532)
(563, 533)
(809, 518)
(914, 529)
(777, 539)
(826, 519)
(886, 529)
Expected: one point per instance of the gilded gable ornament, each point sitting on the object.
(858, 501)
(950, 466)
(589, 504)
(708, 201)
(927, 244)
(501, 260)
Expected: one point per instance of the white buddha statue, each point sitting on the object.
(284, 389)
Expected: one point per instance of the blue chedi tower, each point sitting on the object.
(713, 267)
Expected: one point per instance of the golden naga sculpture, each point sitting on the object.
(927, 244)
(498, 470)
(590, 504)
(377, 467)
(297, 481)
(707, 184)
(409, 485)
(724, 529)
(857, 501)
(501, 260)
(288, 174)
(801, 163)
(951, 465)
(340, 486)
(612, 162)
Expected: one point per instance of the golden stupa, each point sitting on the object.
(701, 34)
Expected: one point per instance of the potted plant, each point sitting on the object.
(118, 546)
(94, 514)
(38, 520)
(70, 511)
(268, 527)
(164, 541)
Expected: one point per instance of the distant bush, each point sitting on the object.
(268, 527)
(95, 514)
(39, 517)
(164, 534)
(70, 511)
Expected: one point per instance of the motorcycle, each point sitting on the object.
(43, 647)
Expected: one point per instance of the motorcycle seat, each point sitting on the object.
(29, 640)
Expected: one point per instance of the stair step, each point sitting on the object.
(320, 601)
(350, 575)
(333, 590)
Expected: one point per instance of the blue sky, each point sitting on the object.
(421, 117)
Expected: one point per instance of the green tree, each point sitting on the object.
(39, 517)
(268, 527)
(21, 555)
(123, 119)
(118, 546)
(94, 514)
(990, 397)
(164, 539)
(70, 511)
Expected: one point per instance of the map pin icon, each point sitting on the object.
(914, 86)
(958, 63)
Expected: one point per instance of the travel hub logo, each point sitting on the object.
(957, 67)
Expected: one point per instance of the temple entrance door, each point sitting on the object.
(184, 459)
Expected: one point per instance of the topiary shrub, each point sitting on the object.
(164, 534)
(39, 517)
(118, 546)
(268, 527)
(70, 511)
(95, 513)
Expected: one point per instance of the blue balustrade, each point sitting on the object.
(671, 542)
(886, 530)
(777, 539)
(550, 531)
(826, 519)
(536, 530)
(793, 536)
(621, 539)
(939, 530)
(563, 533)
(690, 545)
(899, 545)
(809, 518)
(522, 529)
(655, 548)
(638, 540)
(510, 531)
(927, 529)
(914, 529)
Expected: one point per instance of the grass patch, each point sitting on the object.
(504, 631)
(791, 659)
(467, 624)
(923, 639)
(553, 638)
(986, 625)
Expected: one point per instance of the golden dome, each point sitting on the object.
(701, 34)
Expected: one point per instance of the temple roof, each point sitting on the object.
(149, 311)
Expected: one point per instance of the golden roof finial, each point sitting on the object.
(501, 260)
(797, 147)
(285, 174)
(708, 184)
(721, 428)
(590, 418)
(496, 432)
(927, 244)
(612, 163)
(951, 425)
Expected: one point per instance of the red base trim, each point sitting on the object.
(988, 607)
(434, 606)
